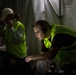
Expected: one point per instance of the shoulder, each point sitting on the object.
(19, 23)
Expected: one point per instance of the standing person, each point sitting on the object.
(15, 42)
(61, 42)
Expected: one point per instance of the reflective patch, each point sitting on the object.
(47, 43)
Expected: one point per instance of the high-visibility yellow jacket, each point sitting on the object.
(65, 54)
(15, 40)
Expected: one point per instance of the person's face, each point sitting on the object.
(38, 33)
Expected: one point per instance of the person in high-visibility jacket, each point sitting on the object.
(60, 40)
(14, 35)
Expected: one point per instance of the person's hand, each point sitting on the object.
(2, 23)
(28, 58)
(9, 20)
(10, 23)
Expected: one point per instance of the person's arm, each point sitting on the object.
(58, 42)
(17, 33)
(45, 55)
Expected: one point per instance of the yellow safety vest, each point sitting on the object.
(64, 54)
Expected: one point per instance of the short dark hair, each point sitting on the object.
(44, 25)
